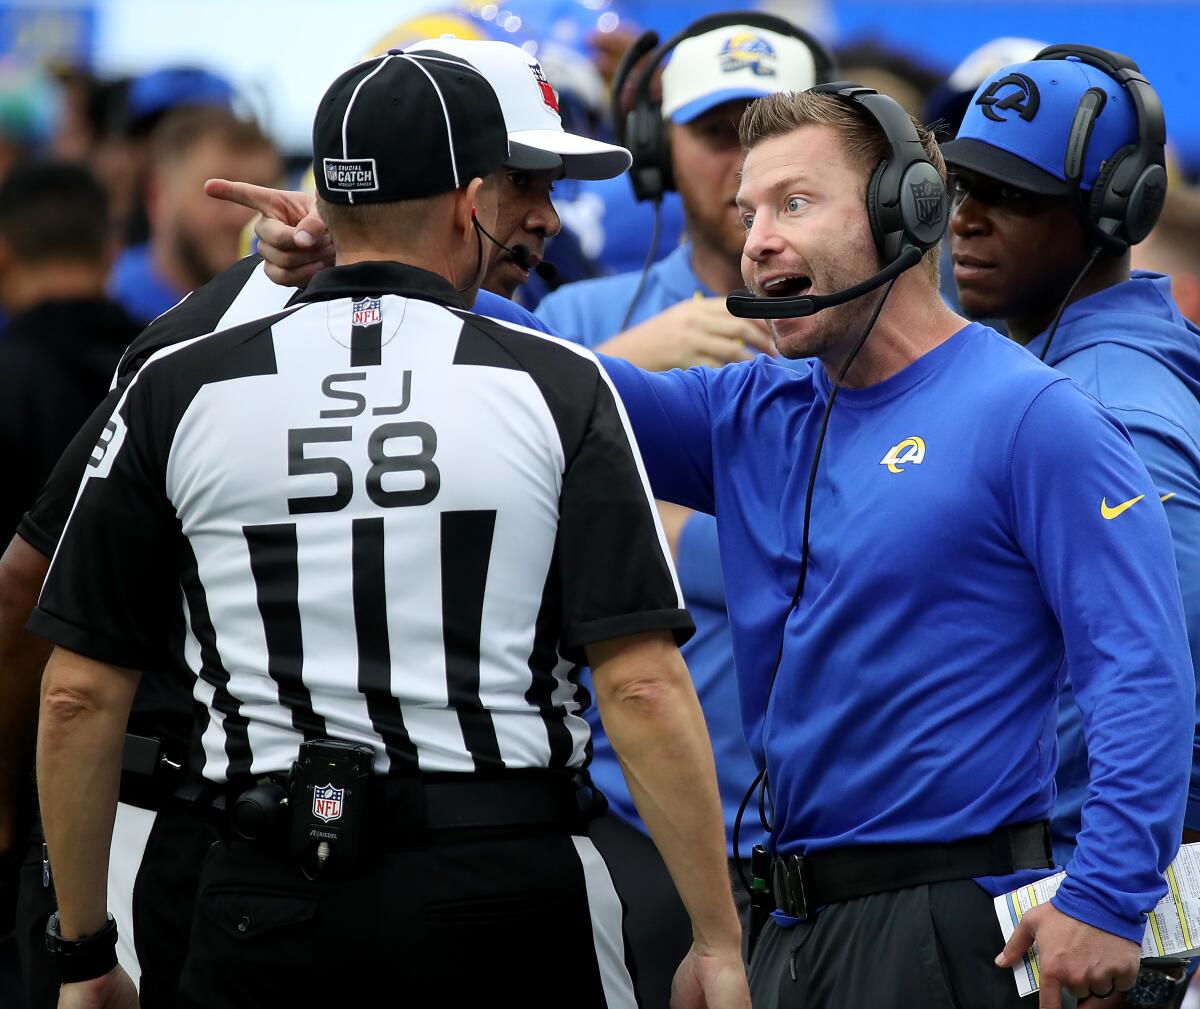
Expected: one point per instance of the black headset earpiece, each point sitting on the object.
(1128, 194)
(907, 202)
(642, 129)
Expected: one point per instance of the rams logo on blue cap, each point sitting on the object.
(1020, 96)
(745, 50)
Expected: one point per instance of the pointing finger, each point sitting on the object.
(259, 198)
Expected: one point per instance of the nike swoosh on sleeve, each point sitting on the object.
(1112, 513)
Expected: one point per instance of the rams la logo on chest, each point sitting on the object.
(910, 452)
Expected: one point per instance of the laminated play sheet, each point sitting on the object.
(1173, 928)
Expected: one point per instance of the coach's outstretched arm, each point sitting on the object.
(653, 718)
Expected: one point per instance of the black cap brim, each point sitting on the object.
(984, 159)
(531, 159)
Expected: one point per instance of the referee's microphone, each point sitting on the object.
(520, 254)
(748, 306)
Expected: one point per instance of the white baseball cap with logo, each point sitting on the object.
(732, 63)
(536, 137)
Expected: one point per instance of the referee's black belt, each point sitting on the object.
(416, 808)
(472, 803)
(803, 883)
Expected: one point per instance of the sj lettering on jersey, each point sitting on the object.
(330, 386)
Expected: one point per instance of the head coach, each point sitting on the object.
(295, 243)
(378, 525)
(914, 550)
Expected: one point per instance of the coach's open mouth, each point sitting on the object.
(787, 286)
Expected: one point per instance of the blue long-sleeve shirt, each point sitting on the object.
(1131, 348)
(961, 558)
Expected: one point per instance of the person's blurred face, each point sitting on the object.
(705, 157)
(804, 218)
(1015, 253)
(526, 217)
(205, 234)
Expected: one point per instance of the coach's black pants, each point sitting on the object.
(930, 946)
(531, 922)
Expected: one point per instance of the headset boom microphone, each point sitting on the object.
(520, 254)
(747, 306)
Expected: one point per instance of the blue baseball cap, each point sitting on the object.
(1017, 125)
(156, 92)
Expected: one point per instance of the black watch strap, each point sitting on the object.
(82, 959)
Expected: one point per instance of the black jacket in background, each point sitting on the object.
(56, 363)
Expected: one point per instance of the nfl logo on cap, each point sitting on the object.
(327, 802)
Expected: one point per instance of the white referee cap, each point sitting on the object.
(536, 137)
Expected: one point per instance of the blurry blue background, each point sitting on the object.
(280, 53)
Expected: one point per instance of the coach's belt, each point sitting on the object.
(804, 883)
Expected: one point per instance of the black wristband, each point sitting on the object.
(82, 959)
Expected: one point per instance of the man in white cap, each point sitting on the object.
(679, 318)
(541, 152)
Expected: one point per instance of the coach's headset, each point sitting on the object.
(1128, 194)
(908, 208)
(642, 129)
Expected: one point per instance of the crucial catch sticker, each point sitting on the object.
(351, 176)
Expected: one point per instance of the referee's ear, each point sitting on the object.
(465, 202)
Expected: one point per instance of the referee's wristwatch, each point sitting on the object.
(1157, 987)
(83, 959)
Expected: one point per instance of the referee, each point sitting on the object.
(161, 834)
(379, 528)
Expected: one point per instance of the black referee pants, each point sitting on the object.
(657, 926)
(532, 922)
(154, 868)
(929, 946)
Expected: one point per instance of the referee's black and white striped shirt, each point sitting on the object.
(371, 517)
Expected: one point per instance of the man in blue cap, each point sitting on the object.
(1033, 243)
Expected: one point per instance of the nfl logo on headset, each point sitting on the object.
(327, 802)
(366, 312)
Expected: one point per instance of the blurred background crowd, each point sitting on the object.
(114, 112)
